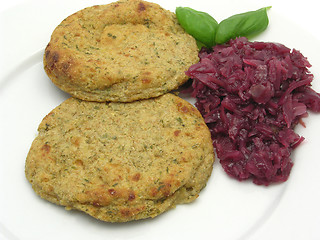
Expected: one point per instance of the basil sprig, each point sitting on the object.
(205, 29)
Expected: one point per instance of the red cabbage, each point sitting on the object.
(252, 95)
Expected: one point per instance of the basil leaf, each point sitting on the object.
(246, 24)
(198, 24)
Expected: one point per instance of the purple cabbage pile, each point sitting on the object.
(252, 95)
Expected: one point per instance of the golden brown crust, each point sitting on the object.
(123, 51)
(121, 161)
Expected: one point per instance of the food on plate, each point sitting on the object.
(121, 161)
(252, 95)
(123, 51)
(208, 32)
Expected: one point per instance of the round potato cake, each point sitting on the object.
(123, 51)
(121, 161)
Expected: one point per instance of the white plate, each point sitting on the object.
(226, 208)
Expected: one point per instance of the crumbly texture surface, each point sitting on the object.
(121, 161)
(123, 51)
